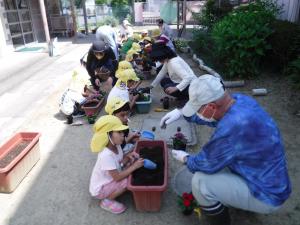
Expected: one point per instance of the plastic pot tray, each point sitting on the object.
(143, 106)
(149, 198)
(14, 170)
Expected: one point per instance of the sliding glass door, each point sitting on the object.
(19, 21)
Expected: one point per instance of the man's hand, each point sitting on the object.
(171, 90)
(170, 117)
(179, 155)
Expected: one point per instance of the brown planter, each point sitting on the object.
(17, 156)
(93, 107)
(149, 198)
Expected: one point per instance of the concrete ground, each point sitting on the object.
(56, 190)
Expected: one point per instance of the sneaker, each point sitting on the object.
(112, 206)
(78, 114)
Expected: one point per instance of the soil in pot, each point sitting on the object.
(91, 104)
(145, 177)
(13, 153)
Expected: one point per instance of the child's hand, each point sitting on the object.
(132, 156)
(133, 137)
(138, 163)
(97, 82)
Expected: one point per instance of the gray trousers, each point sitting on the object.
(228, 189)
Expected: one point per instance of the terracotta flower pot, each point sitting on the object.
(17, 157)
(149, 197)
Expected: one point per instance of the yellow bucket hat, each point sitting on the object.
(101, 128)
(155, 33)
(125, 76)
(114, 104)
(136, 36)
(136, 47)
(129, 55)
(123, 65)
(128, 58)
(147, 39)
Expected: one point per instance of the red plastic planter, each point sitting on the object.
(93, 110)
(14, 172)
(148, 198)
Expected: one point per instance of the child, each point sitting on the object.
(109, 176)
(120, 108)
(123, 65)
(127, 80)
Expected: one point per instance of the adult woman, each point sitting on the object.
(175, 75)
(100, 54)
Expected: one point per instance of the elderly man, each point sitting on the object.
(243, 164)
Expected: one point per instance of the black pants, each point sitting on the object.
(167, 82)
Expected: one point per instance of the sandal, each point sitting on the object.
(112, 206)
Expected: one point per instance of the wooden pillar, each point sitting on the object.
(184, 16)
(45, 22)
(85, 17)
(73, 14)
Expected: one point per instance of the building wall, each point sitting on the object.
(5, 38)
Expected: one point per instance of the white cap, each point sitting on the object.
(126, 22)
(203, 90)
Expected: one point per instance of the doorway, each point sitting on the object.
(19, 22)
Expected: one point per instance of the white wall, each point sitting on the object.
(290, 10)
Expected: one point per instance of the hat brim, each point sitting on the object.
(99, 51)
(120, 127)
(190, 109)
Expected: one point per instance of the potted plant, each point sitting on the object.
(187, 203)
(179, 140)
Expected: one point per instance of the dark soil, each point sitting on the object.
(13, 153)
(91, 104)
(145, 177)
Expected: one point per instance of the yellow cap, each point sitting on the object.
(101, 128)
(136, 47)
(155, 33)
(114, 104)
(127, 75)
(123, 65)
(136, 37)
(147, 39)
(129, 55)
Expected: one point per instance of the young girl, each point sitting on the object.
(109, 176)
(121, 109)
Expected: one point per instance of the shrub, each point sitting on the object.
(240, 39)
(212, 13)
(293, 72)
(285, 43)
(108, 20)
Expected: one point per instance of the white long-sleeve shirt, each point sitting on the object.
(179, 72)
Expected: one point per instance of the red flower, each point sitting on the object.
(185, 195)
(190, 197)
(186, 203)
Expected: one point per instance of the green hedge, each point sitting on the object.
(285, 44)
(293, 72)
(241, 39)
